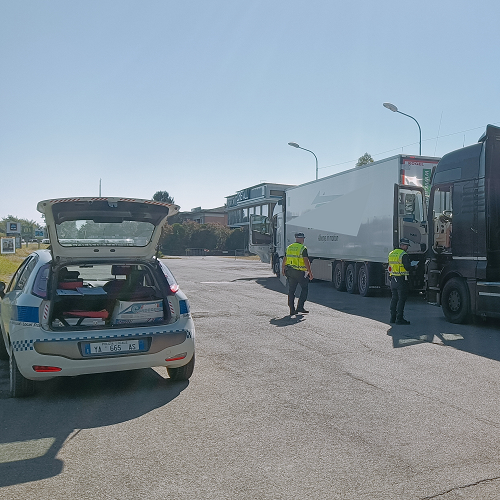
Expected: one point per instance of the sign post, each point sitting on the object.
(8, 245)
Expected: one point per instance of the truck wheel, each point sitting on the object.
(338, 280)
(456, 301)
(183, 372)
(20, 386)
(351, 280)
(364, 281)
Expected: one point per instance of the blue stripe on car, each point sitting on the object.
(183, 307)
(27, 314)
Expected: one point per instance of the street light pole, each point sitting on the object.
(295, 145)
(390, 106)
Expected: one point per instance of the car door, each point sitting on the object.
(14, 291)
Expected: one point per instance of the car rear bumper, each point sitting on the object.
(40, 348)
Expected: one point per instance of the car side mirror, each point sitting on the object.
(2, 288)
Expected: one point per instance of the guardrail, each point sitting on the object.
(202, 252)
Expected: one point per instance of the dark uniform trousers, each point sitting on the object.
(399, 291)
(296, 277)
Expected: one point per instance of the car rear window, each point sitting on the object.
(84, 233)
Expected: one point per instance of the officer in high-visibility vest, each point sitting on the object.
(399, 270)
(297, 268)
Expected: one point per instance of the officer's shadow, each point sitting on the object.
(287, 320)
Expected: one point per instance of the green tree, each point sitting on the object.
(235, 240)
(176, 238)
(364, 160)
(203, 237)
(163, 196)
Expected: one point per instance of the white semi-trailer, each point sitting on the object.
(351, 221)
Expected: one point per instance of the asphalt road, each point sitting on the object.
(333, 405)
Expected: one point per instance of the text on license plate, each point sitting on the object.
(114, 347)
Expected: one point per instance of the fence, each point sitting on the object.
(196, 252)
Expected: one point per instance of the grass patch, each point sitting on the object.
(10, 262)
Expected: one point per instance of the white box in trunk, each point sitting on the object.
(137, 312)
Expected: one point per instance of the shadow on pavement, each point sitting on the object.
(287, 320)
(428, 324)
(33, 430)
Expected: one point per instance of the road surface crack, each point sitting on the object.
(364, 381)
(482, 481)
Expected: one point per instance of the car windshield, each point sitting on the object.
(81, 233)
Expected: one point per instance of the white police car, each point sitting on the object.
(98, 300)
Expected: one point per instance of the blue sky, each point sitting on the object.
(200, 98)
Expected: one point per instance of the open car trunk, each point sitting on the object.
(106, 229)
(108, 295)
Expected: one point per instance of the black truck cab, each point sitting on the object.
(463, 260)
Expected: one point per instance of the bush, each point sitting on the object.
(177, 237)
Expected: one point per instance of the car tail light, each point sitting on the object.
(177, 357)
(174, 288)
(43, 369)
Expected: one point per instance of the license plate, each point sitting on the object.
(114, 347)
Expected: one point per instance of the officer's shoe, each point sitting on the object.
(302, 310)
(402, 322)
(293, 312)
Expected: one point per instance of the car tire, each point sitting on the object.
(364, 281)
(183, 372)
(20, 386)
(4, 354)
(351, 279)
(338, 279)
(455, 301)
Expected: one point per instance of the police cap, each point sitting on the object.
(404, 241)
(299, 235)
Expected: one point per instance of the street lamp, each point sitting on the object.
(393, 108)
(295, 145)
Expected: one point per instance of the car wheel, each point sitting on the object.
(456, 301)
(4, 354)
(338, 281)
(183, 372)
(364, 281)
(351, 280)
(20, 386)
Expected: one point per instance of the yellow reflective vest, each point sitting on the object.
(294, 256)
(396, 267)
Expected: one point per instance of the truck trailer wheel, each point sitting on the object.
(338, 279)
(351, 279)
(364, 281)
(456, 301)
